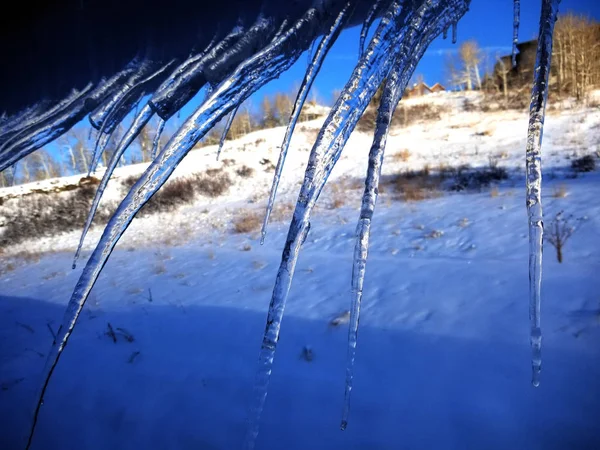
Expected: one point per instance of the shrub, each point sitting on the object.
(559, 232)
(403, 116)
(181, 191)
(417, 185)
(465, 178)
(213, 186)
(246, 222)
(49, 214)
(586, 163)
(245, 171)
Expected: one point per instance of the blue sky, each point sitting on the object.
(489, 22)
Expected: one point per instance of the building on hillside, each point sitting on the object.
(419, 89)
(520, 75)
(437, 87)
(312, 111)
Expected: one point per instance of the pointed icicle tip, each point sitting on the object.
(454, 33)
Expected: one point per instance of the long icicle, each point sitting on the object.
(309, 78)
(374, 10)
(247, 79)
(454, 32)
(389, 100)
(156, 141)
(397, 34)
(537, 110)
(129, 95)
(516, 22)
(226, 130)
(138, 123)
(310, 53)
(42, 133)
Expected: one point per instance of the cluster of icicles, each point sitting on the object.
(404, 31)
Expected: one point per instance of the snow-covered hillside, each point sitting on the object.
(165, 353)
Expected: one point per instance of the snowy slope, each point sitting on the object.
(443, 352)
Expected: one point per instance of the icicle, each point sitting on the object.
(101, 144)
(247, 78)
(454, 33)
(105, 108)
(255, 37)
(394, 37)
(374, 10)
(138, 123)
(41, 133)
(389, 100)
(516, 20)
(187, 80)
(38, 135)
(537, 109)
(33, 118)
(122, 104)
(13, 172)
(159, 130)
(309, 77)
(14, 124)
(226, 130)
(310, 53)
(445, 33)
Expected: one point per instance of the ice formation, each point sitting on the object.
(231, 61)
(533, 169)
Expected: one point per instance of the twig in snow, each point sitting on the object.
(126, 334)
(8, 384)
(51, 331)
(559, 231)
(133, 356)
(307, 353)
(41, 355)
(111, 333)
(340, 319)
(27, 327)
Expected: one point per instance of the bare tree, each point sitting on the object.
(453, 72)
(471, 56)
(502, 70)
(559, 232)
(576, 53)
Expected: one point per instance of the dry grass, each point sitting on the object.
(282, 212)
(560, 191)
(337, 202)
(494, 192)
(50, 214)
(489, 131)
(405, 115)
(402, 155)
(247, 222)
(159, 268)
(181, 191)
(417, 185)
